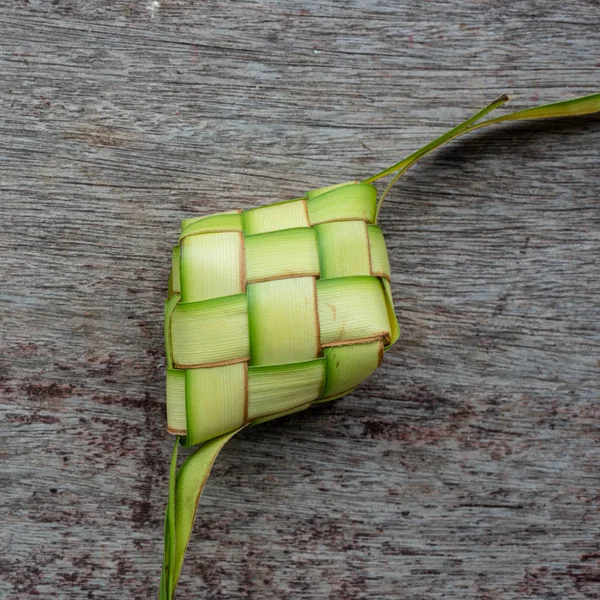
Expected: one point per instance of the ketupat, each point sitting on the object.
(275, 308)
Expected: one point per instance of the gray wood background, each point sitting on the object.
(468, 466)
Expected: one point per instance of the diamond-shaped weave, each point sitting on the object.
(275, 308)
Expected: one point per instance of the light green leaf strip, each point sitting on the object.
(577, 107)
(278, 388)
(347, 366)
(343, 203)
(343, 249)
(174, 279)
(209, 220)
(166, 580)
(189, 484)
(211, 265)
(380, 263)
(280, 254)
(211, 331)
(283, 322)
(393, 320)
(171, 514)
(352, 309)
(322, 190)
(222, 222)
(170, 305)
(275, 217)
(214, 401)
(176, 415)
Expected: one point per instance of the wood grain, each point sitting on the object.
(467, 467)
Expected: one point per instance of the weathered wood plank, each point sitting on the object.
(468, 466)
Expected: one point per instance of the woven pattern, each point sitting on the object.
(275, 308)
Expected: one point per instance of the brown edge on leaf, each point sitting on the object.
(317, 319)
(382, 276)
(369, 248)
(383, 336)
(187, 235)
(222, 363)
(276, 277)
(245, 410)
(381, 353)
(176, 431)
(342, 220)
(305, 206)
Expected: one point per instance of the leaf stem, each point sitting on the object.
(568, 108)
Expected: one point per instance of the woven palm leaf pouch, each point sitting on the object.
(276, 308)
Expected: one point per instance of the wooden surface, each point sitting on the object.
(468, 466)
